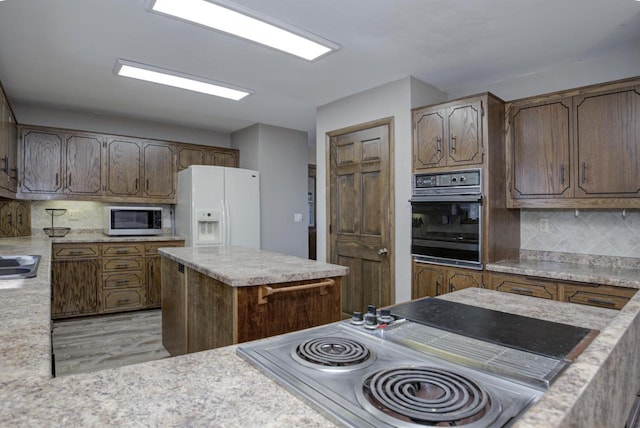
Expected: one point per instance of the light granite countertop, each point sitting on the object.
(241, 266)
(217, 388)
(621, 272)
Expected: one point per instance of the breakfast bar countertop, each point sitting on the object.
(218, 388)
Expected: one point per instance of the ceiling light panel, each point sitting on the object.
(178, 80)
(233, 19)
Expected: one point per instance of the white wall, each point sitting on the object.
(395, 100)
(280, 154)
(83, 121)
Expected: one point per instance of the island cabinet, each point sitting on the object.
(449, 134)
(200, 312)
(604, 296)
(433, 280)
(575, 149)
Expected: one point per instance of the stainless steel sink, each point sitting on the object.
(17, 267)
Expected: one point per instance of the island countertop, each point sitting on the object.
(241, 266)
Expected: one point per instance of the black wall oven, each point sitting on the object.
(446, 217)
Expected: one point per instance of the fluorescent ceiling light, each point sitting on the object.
(178, 80)
(230, 18)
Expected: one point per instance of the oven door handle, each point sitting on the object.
(446, 198)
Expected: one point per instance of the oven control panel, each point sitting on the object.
(447, 179)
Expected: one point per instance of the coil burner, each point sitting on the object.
(426, 396)
(333, 353)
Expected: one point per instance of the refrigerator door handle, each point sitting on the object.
(228, 223)
(225, 220)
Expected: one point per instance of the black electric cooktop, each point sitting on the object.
(547, 338)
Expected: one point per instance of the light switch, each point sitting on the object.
(297, 217)
(543, 225)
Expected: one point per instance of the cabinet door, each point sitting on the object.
(224, 159)
(607, 134)
(428, 138)
(74, 287)
(12, 153)
(85, 165)
(428, 280)
(458, 279)
(154, 281)
(42, 162)
(159, 171)
(540, 140)
(123, 167)
(7, 219)
(464, 133)
(188, 156)
(517, 284)
(4, 143)
(22, 214)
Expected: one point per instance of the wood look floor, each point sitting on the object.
(97, 343)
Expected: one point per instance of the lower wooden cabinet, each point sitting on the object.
(96, 278)
(605, 296)
(432, 280)
(75, 280)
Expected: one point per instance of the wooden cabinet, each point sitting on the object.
(84, 161)
(123, 277)
(153, 272)
(159, 171)
(449, 134)
(604, 296)
(525, 286)
(434, 280)
(190, 154)
(202, 313)
(42, 161)
(575, 149)
(96, 278)
(75, 280)
(15, 218)
(124, 167)
(8, 148)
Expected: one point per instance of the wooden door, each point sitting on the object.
(12, 153)
(428, 280)
(541, 149)
(188, 156)
(123, 167)
(607, 134)
(360, 204)
(464, 133)
(4, 142)
(22, 212)
(153, 281)
(42, 162)
(7, 220)
(459, 279)
(85, 165)
(159, 171)
(429, 149)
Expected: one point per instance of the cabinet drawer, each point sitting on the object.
(151, 249)
(115, 300)
(119, 250)
(602, 296)
(116, 264)
(75, 251)
(122, 280)
(527, 287)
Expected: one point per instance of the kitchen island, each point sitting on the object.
(215, 296)
(217, 388)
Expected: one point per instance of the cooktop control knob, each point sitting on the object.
(357, 318)
(370, 318)
(385, 316)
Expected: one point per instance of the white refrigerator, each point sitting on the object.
(218, 206)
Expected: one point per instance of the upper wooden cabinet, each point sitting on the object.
(8, 149)
(575, 149)
(189, 154)
(67, 164)
(448, 134)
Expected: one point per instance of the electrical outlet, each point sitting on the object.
(74, 215)
(543, 225)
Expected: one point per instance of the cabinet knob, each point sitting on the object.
(382, 251)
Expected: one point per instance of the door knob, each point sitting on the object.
(382, 251)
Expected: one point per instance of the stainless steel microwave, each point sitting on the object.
(133, 220)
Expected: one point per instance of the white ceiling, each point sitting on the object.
(60, 53)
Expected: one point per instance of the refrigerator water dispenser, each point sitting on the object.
(208, 227)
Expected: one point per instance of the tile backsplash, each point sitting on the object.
(593, 232)
(81, 216)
